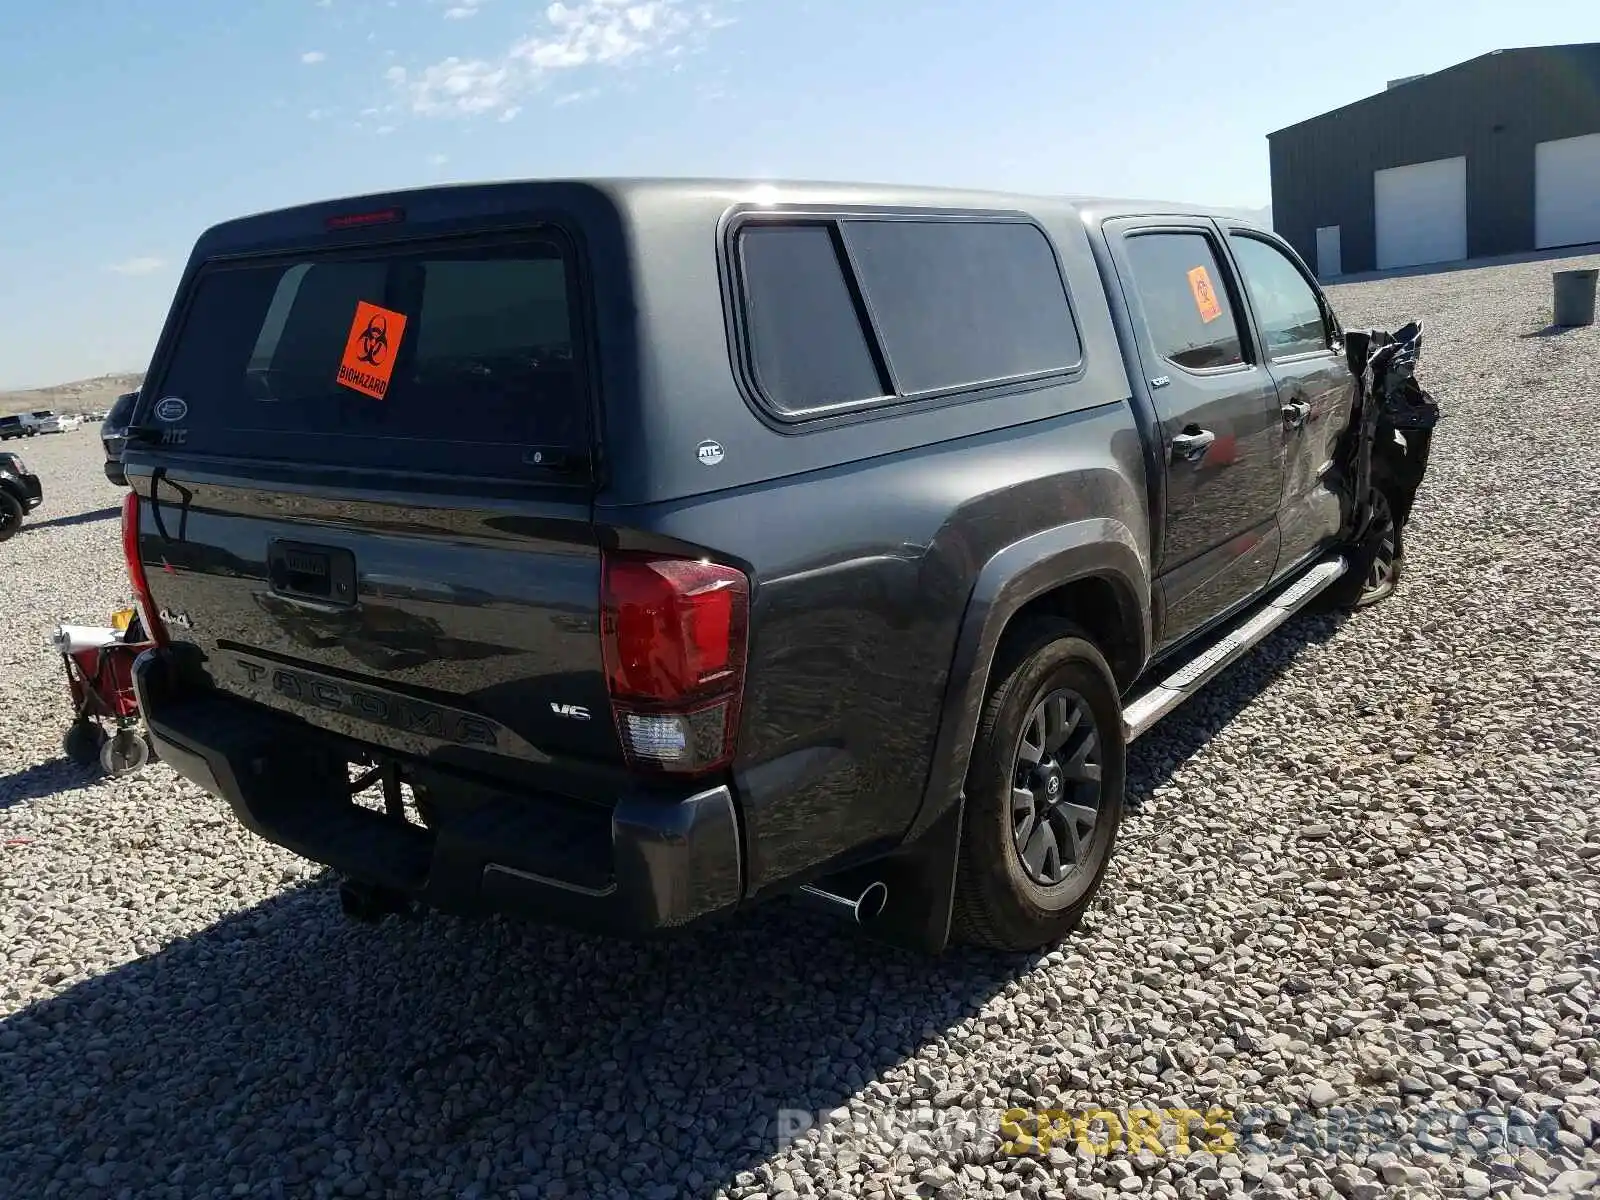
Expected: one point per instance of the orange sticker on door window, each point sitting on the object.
(1205, 296)
(369, 351)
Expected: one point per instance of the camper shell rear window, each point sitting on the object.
(459, 357)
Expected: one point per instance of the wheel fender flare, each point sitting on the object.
(1102, 548)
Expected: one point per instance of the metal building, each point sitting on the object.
(1496, 155)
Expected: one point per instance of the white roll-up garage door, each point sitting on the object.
(1421, 213)
(1566, 204)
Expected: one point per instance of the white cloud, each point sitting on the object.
(463, 87)
(582, 35)
(463, 9)
(138, 266)
(312, 57)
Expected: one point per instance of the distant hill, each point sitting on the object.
(80, 396)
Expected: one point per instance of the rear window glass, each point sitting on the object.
(456, 359)
(964, 302)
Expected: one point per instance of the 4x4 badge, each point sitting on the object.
(709, 453)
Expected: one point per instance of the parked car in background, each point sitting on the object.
(114, 435)
(20, 494)
(48, 421)
(802, 539)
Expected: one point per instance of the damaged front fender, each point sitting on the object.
(1390, 435)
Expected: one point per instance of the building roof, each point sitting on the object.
(1405, 89)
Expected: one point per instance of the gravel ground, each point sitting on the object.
(1359, 883)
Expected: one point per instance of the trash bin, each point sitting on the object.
(1574, 298)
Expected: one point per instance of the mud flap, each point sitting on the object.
(921, 882)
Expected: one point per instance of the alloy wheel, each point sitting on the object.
(1381, 574)
(1055, 788)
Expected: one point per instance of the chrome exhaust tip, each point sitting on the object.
(862, 909)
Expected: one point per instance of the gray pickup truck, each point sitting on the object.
(624, 553)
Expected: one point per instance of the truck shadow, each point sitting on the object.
(83, 518)
(289, 1051)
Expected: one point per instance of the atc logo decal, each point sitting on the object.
(370, 350)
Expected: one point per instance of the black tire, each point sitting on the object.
(1376, 563)
(11, 515)
(999, 903)
(82, 743)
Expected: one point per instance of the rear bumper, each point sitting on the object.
(641, 864)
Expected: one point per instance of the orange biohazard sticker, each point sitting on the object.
(369, 351)
(1205, 296)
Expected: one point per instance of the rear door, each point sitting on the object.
(367, 495)
(1219, 419)
(1316, 390)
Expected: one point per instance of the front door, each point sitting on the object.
(1219, 420)
(1316, 389)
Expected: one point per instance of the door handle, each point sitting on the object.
(1295, 414)
(1191, 445)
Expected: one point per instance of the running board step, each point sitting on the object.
(1144, 711)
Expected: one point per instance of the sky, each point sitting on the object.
(127, 129)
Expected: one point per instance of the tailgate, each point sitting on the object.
(464, 633)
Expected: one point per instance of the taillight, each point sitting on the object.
(673, 632)
(148, 614)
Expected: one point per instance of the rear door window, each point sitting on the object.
(457, 359)
(1184, 295)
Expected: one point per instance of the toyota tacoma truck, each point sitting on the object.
(625, 553)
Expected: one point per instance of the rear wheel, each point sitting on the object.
(11, 514)
(1044, 793)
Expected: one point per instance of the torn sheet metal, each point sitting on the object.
(1391, 431)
